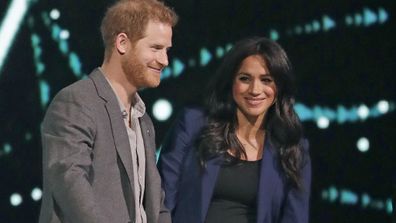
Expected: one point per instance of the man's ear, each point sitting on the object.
(122, 43)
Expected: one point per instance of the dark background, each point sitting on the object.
(347, 65)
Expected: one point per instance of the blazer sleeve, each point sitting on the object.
(164, 215)
(296, 209)
(68, 133)
(179, 141)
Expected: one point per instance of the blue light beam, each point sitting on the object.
(10, 26)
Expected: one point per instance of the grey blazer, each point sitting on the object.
(87, 163)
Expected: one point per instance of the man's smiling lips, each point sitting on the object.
(156, 69)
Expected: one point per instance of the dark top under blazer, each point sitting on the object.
(188, 191)
(87, 161)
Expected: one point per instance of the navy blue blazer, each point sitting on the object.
(188, 189)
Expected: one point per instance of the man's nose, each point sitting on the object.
(162, 58)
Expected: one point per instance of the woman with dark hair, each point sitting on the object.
(242, 158)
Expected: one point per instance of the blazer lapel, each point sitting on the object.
(266, 187)
(118, 128)
(209, 178)
(152, 196)
(147, 135)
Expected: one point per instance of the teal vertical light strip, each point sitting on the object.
(205, 57)
(365, 200)
(382, 15)
(44, 93)
(389, 206)
(219, 52)
(37, 52)
(178, 67)
(75, 64)
(157, 153)
(166, 73)
(10, 26)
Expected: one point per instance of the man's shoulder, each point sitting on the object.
(81, 88)
(80, 85)
(82, 93)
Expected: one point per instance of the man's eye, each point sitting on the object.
(156, 47)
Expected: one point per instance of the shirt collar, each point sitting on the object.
(138, 107)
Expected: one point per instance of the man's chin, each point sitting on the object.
(153, 84)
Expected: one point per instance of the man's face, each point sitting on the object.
(144, 62)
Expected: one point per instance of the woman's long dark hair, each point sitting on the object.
(282, 126)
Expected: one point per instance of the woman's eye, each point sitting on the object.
(267, 80)
(243, 78)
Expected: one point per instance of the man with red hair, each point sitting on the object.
(98, 142)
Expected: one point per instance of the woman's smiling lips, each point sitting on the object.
(254, 101)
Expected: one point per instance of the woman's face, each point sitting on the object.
(254, 89)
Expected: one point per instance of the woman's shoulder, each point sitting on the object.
(193, 114)
(304, 143)
(191, 119)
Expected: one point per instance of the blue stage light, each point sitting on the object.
(205, 56)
